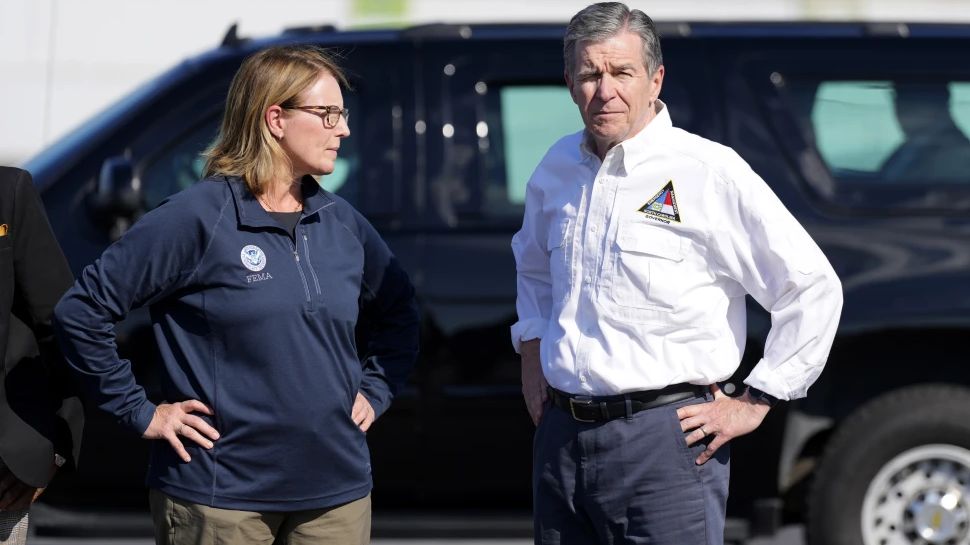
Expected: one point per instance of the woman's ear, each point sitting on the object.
(275, 121)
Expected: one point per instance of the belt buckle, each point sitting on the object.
(582, 401)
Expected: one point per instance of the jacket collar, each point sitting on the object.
(251, 214)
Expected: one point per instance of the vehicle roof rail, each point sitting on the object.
(671, 28)
(309, 29)
(438, 30)
(887, 29)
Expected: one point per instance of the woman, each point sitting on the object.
(255, 278)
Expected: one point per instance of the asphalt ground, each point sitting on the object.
(792, 535)
(56, 527)
(785, 537)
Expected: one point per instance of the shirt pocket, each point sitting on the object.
(560, 257)
(646, 268)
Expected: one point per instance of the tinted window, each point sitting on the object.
(524, 121)
(855, 124)
(533, 119)
(180, 164)
(890, 132)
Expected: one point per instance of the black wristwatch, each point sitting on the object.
(762, 397)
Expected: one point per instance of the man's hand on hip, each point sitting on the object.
(534, 386)
(725, 418)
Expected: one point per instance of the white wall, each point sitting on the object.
(64, 60)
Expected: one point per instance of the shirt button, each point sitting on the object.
(589, 279)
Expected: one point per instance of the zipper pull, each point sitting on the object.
(296, 255)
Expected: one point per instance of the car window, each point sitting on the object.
(523, 123)
(181, 163)
(889, 132)
(533, 119)
(960, 105)
(178, 166)
(855, 125)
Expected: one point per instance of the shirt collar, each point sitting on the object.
(252, 214)
(632, 151)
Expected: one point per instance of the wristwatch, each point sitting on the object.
(762, 397)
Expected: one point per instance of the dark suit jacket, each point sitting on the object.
(39, 411)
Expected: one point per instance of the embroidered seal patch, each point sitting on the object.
(663, 205)
(253, 258)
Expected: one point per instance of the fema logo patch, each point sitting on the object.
(663, 205)
(253, 258)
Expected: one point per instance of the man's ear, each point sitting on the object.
(569, 85)
(658, 81)
(275, 121)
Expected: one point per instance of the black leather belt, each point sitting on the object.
(602, 408)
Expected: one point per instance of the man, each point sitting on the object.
(638, 245)
(40, 420)
(935, 149)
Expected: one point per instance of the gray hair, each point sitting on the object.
(602, 21)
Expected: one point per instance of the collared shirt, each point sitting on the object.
(633, 270)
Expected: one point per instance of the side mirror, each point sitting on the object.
(117, 200)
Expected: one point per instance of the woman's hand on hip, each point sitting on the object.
(362, 413)
(174, 419)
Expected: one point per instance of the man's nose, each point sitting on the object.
(606, 88)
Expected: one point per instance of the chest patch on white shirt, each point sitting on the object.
(663, 205)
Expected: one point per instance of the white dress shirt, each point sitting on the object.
(633, 270)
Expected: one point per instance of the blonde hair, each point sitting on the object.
(245, 147)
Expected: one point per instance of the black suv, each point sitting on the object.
(861, 130)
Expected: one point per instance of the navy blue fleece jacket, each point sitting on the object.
(261, 328)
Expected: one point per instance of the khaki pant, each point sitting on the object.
(180, 522)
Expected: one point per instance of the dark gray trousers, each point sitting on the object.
(626, 481)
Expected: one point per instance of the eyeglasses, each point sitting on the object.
(330, 114)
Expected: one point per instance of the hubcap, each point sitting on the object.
(920, 498)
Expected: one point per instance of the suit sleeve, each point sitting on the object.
(41, 276)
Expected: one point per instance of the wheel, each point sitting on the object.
(897, 472)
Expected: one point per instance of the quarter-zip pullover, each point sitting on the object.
(260, 327)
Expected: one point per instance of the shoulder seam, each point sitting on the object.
(707, 164)
(212, 235)
(363, 280)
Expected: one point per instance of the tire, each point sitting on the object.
(897, 472)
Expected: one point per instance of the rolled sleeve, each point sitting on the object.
(527, 330)
(764, 248)
(533, 301)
